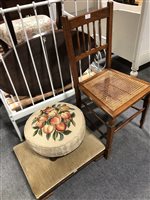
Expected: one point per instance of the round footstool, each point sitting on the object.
(56, 130)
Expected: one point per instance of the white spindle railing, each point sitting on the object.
(30, 51)
(24, 111)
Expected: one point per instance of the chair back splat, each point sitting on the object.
(88, 23)
(112, 91)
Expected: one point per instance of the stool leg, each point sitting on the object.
(145, 105)
(109, 139)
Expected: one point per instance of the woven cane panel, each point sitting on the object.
(113, 89)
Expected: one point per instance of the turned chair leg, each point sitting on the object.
(109, 139)
(145, 105)
(78, 97)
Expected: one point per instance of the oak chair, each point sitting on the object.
(112, 91)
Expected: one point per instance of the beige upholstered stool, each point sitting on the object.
(30, 25)
(56, 130)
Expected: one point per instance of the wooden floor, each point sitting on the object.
(44, 174)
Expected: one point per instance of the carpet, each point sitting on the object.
(124, 176)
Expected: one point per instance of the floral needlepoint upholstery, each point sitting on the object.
(55, 130)
(30, 25)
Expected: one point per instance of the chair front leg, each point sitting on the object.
(145, 105)
(109, 139)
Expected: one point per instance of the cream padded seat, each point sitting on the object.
(55, 130)
(30, 25)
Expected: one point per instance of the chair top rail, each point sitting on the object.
(89, 17)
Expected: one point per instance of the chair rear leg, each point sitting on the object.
(109, 139)
(78, 97)
(145, 105)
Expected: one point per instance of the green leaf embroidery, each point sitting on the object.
(60, 112)
(48, 122)
(40, 132)
(35, 127)
(61, 136)
(55, 134)
(35, 132)
(73, 122)
(35, 119)
(68, 123)
(48, 136)
(73, 115)
(67, 132)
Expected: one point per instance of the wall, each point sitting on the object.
(131, 32)
(143, 41)
(125, 25)
(81, 5)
